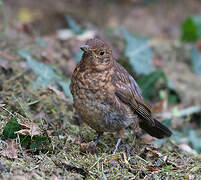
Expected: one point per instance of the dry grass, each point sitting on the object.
(61, 157)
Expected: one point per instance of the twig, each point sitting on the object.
(184, 112)
(141, 158)
(96, 162)
(17, 76)
(7, 56)
(7, 111)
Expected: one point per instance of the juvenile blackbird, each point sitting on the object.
(106, 96)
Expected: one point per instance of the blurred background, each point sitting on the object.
(157, 41)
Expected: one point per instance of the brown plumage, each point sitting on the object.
(106, 96)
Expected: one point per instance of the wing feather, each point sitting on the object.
(127, 90)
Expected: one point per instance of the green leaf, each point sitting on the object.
(178, 136)
(39, 143)
(10, 128)
(173, 97)
(36, 143)
(195, 140)
(66, 88)
(139, 53)
(147, 82)
(46, 75)
(73, 25)
(196, 60)
(187, 137)
(167, 122)
(25, 141)
(191, 29)
(191, 137)
(78, 55)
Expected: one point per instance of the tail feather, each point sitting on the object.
(158, 130)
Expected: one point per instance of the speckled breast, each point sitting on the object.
(94, 101)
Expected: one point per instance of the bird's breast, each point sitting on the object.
(92, 85)
(96, 103)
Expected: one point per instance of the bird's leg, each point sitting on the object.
(117, 145)
(76, 120)
(121, 135)
(97, 139)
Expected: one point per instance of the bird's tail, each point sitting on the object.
(158, 130)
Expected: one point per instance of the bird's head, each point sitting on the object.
(97, 54)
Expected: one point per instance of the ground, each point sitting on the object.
(47, 143)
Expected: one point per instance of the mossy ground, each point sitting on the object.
(61, 157)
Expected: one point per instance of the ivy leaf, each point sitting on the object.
(196, 60)
(73, 25)
(10, 128)
(195, 140)
(78, 55)
(191, 29)
(46, 75)
(66, 88)
(139, 53)
(148, 82)
(39, 143)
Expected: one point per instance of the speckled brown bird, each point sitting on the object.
(106, 96)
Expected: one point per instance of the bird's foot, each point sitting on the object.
(97, 139)
(117, 145)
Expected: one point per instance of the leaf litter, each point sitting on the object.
(62, 143)
(48, 114)
(31, 129)
(11, 150)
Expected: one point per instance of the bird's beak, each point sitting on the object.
(85, 48)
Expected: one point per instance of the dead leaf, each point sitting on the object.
(49, 132)
(2, 105)
(150, 153)
(157, 153)
(124, 157)
(72, 168)
(152, 168)
(159, 62)
(46, 57)
(59, 93)
(161, 161)
(11, 150)
(29, 129)
(187, 148)
(148, 138)
(88, 147)
(160, 106)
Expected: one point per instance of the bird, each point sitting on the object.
(107, 98)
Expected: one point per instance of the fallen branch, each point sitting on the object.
(184, 112)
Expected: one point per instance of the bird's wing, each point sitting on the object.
(127, 90)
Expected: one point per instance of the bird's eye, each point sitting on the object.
(102, 53)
